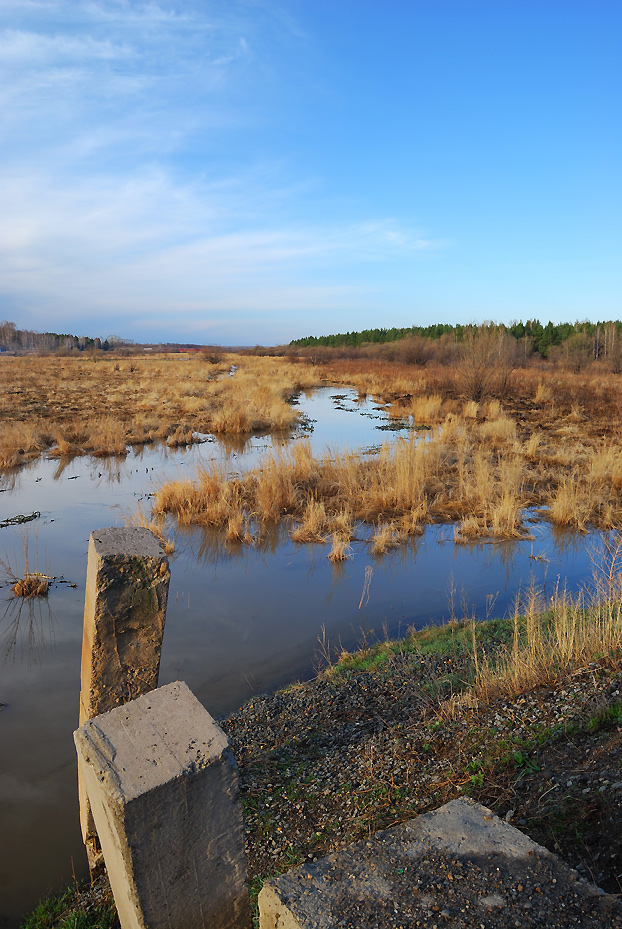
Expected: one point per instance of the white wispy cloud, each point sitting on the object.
(147, 245)
(120, 119)
(114, 57)
(31, 49)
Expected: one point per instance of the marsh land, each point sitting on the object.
(524, 713)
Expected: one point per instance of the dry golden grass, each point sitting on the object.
(470, 409)
(386, 536)
(314, 521)
(423, 409)
(551, 639)
(543, 394)
(20, 441)
(102, 405)
(32, 585)
(474, 470)
(456, 474)
(340, 550)
(550, 440)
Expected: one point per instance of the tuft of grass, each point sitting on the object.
(470, 409)
(543, 394)
(386, 536)
(340, 549)
(26, 583)
(312, 527)
(66, 911)
(424, 409)
(548, 643)
(32, 585)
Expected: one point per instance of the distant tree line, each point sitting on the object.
(600, 339)
(26, 340)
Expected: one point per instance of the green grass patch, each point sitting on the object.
(606, 718)
(450, 641)
(64, 911)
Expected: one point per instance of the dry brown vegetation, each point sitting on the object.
(497, 440)
(26, 583)
(32, 585)
(553, 444)
(100, 405)
(551, 639)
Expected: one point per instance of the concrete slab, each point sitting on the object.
(460, 866)
(163, 788)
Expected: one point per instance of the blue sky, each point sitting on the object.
(249, 172)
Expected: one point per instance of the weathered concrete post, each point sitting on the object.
(163, 786)
(124, 611)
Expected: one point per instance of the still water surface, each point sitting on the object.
(238, 622)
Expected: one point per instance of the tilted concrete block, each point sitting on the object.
(124, 613)
(163, 787)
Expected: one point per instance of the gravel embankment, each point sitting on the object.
(331, 761)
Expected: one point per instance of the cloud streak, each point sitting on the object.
(145, 242)
(129, 186)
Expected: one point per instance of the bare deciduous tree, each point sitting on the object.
(487, 358)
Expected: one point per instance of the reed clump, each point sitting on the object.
(32, 585)
(386, 536)
(313, 523)
(20, 442)
(340, 549)
(25, 583)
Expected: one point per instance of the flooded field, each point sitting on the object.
(240, 620)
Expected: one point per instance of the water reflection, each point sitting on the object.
(232, 445)
(206, 545)
(26, 628)
(566, 540)
(10, 479)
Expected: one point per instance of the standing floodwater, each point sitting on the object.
(239, 620)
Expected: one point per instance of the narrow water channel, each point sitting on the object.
(239, 621)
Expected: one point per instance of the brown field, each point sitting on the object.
(99, 405)
(487, 444)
